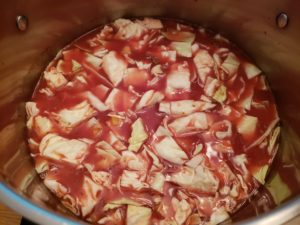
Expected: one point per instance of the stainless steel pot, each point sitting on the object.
(25, 50)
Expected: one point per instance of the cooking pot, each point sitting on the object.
(32, 32)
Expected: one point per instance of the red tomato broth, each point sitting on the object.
(125, 102)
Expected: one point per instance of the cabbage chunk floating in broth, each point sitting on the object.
(152, 121)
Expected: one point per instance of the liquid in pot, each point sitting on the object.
(152, 122)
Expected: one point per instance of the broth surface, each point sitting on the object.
(152, 122)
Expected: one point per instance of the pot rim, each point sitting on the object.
(31, 211)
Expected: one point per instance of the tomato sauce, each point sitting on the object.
(205, 99)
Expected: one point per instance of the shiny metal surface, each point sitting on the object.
(277, 216)
(22, 22)
(54, 23)
(282, 20)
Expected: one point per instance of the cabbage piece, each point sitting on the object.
(164, 207)
(113, 153)
(161, 132)
(71, 203)
(56, 187)
(80, 79)
(231, 64)
(232, 183)
(180, 36)
(156, 181)
(124, 201)
(243, 183)
(93, 60)
(265, 134)
(168, 221)
(112, 218)
(63, 67)
(69, 118)
(251, 70)
(211, 86)
(168, 55)
(76, 66)
(219, 215)
(247, 126)
(195, 48)
(94, 125)
(95, 102)
(107, 158)
(261, 173)
(115, 142)
(240, 162)
(41, 164)
(189, 124)
(110, 206)
(273, 139)
(42, 125)
(279, 190)
(133, 179)
(169, 150)
(178, 79)
(47, 92)
(182, 210)
(100, 91)
(102, 178)
(246, 101)
(195, 161)
(151, 23)
(54, 78)
(219, 37)
(205, 204)
(133, 161)
(60, 148)
(114, 66)
(221, 94)
(77, 81)
(103, 145)
(222, 129)
(199, 178)
(135, 77)
(205, 98)
(89, 195)
(29, 123)
(222, 146)
(105, 33)
(157, 70)
(184, 107)
(204, 64)
(198, 149)
(149, 98)
(137, 215)
(155, 161)
(34, 145)
(120, 100)
(143, 65)
(182, 48)
(128, 29)
(194, 219)
(117, 123)
(261, 83)
(138, 135)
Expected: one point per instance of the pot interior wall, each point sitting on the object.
(54, 23)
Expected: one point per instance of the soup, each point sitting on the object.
(152, 121)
